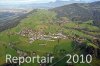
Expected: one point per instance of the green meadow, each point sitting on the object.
(46, 22)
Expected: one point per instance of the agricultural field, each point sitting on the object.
(42, 32)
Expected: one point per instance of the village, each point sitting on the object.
(33, 35)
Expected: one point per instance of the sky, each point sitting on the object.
(24, 1)
(34, 1)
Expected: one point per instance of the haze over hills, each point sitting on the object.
(11, 17)
(15, 10)
(57, 3)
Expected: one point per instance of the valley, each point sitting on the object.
(11, 17)
(42, 33)
(54, 30)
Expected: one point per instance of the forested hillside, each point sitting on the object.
(81, 12)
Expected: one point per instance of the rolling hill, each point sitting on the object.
(40, 33)
(52, 33)
(80, 11)
(11, 17)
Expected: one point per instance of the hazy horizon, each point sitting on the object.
(36, 1)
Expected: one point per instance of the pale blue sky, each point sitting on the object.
(33, 1)
(26, 1)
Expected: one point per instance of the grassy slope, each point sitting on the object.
(40, 19)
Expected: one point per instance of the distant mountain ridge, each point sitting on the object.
(79, 11)
(57, 3)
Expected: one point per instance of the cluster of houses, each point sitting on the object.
(39, 35)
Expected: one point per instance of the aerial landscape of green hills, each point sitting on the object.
(70, 29)
(43, 30)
